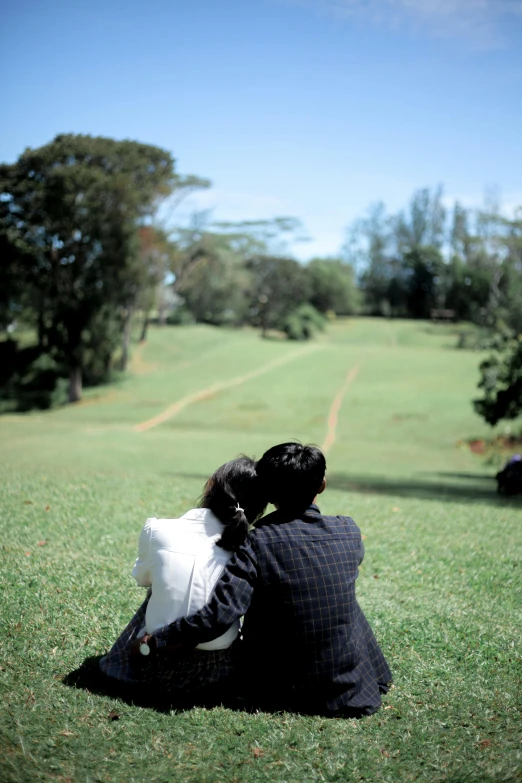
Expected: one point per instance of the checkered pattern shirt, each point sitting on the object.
(306, 640)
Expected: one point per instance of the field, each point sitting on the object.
(440, 584)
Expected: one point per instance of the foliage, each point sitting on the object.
(69, 213)
(333, 286)
(278, 285)
(223, 273)
(180, 316)
(303, 322)
(424, 268)
(210, 276)
(156, 252)
(467, 290)
(501, 382)
(469, 261)
(35, 380)
(261, 237)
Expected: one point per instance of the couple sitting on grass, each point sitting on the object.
(305, 645)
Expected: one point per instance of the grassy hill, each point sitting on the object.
(440, 584)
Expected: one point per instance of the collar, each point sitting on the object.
(279, 517)
(204, 515)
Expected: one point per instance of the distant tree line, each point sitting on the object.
(467, 263)
(427, 257)
(227, 274)
(85, 258)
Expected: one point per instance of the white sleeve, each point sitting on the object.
(141, 570)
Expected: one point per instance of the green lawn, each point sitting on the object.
(440, 584)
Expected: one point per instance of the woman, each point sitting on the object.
(180, 561)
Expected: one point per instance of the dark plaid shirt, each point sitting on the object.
(307, 643)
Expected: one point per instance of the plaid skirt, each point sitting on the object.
(186, 674)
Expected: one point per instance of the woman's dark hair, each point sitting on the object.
(234, 494)
(292, 475)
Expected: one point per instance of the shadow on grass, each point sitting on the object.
(447, 487)
(455, 487)
(90, 678)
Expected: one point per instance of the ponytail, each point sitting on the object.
(236, 530)
(231, 487)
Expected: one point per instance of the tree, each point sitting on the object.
(217, 267)
(333, 286)
(212, 278)
(367, 250)
(467, 289)
(303, 322)
(402, 270)
(424, 225)
(156, 252)
(425, 270)
(511, 290)
(69, 213)
(278, 286)
(501, 381)
(252, 238)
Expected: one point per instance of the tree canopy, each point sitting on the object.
(69, 214)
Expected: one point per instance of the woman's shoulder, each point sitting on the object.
(191, 520)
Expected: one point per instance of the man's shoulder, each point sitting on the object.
(279, 523)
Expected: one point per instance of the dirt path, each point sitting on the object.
(335, 408)
(203, 394)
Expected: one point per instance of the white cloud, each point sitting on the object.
(480, 22)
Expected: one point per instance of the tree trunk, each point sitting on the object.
(75, 382)
(145, 326)
(126, 341)
(41, 324)
(162, 314)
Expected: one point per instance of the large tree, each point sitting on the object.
(210, 275)
(278, 286)
(69, 214)
(333, 286)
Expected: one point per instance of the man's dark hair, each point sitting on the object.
(292, 475)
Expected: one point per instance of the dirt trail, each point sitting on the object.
(335, 408)
(203, 394)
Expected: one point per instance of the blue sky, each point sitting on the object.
(308, 108)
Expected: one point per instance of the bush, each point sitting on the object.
(501, 382)
(303, 322)
(38, 383)
(181, 316)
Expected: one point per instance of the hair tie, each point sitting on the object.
(238, 508)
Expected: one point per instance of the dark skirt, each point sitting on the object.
(189, 676)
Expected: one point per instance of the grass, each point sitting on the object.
(440, 584)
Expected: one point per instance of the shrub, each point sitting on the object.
(501, 382)
(303, 322)
(181, 316)
(36, 381)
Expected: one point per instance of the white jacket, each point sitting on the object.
(180, 560)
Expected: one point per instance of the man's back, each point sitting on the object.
(306, 638)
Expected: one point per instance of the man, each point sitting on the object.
(307, 644)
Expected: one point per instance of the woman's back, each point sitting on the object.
(180, 560)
